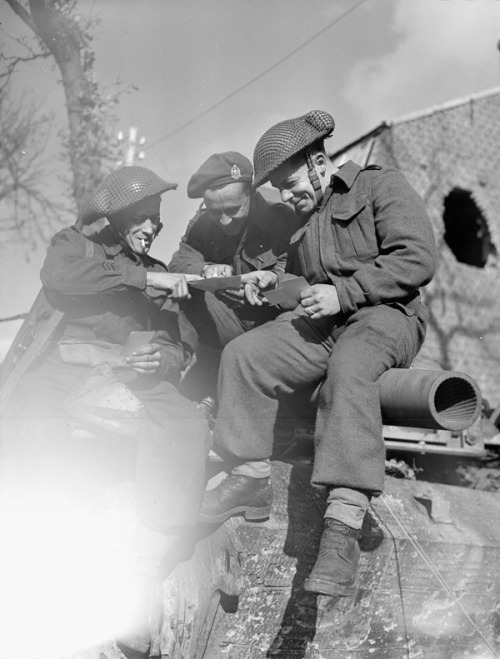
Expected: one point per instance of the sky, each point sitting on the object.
(213, 75)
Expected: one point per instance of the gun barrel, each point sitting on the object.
(447, 400)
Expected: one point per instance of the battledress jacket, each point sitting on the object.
(105, 297)
(262, 246)
(371, 238)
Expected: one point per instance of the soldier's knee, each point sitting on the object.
(241, 350)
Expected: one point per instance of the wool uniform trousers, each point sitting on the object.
(292, 352)
(216, 323)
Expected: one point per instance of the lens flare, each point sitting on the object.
(65, 575)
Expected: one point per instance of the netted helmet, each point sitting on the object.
(288, 138)
(119, 190)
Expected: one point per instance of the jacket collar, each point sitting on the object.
(112, 245)
(347, 173)
(108, 241)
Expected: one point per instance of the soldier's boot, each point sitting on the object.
(336, 569)
(237, 494)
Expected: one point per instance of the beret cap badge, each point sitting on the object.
(235, 172)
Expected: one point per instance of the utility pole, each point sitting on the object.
(131, 154)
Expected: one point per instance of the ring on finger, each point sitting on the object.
(309, 311)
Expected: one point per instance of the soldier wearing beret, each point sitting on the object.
(236, 230)
(365, 246)
(100, 287)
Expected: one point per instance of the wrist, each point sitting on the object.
(276, 278)
(151, 279)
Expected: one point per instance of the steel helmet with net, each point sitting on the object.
(122, 188)
(288, 138)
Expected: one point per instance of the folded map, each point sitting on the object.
(216, 283)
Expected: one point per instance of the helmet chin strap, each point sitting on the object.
(314, 178)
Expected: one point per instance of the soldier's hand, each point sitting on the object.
(174, 283)
(320, 301)
(146, 359)
(217, 270)
(255, 283)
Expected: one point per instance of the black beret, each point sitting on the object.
(120, 189)
(219, 170)
(286, 139)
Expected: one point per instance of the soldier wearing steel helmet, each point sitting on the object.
(101, 287)
(365, 247)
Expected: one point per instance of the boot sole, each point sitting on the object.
(250, 514)
(323, 587)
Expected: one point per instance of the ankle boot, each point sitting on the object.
(237, 494)
(336, 568)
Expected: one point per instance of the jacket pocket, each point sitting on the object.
(260, 259)
(354, 229)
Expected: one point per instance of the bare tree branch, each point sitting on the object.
(11, 63)
(29, 211)
(22, 12)
(68, 38)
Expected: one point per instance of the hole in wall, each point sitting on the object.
(466, 230)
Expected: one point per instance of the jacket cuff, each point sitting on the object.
(134, 275)
(172, 362)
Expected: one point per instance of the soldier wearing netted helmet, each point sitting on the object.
(98, 406)
(365, 247)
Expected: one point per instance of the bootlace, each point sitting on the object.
(337, 536)
(228, 483)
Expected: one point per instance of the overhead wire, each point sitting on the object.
(258, 76)
(238, 89)
(250, 82)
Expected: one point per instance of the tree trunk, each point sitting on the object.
(62, 38)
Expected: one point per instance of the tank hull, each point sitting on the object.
(429, 581)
